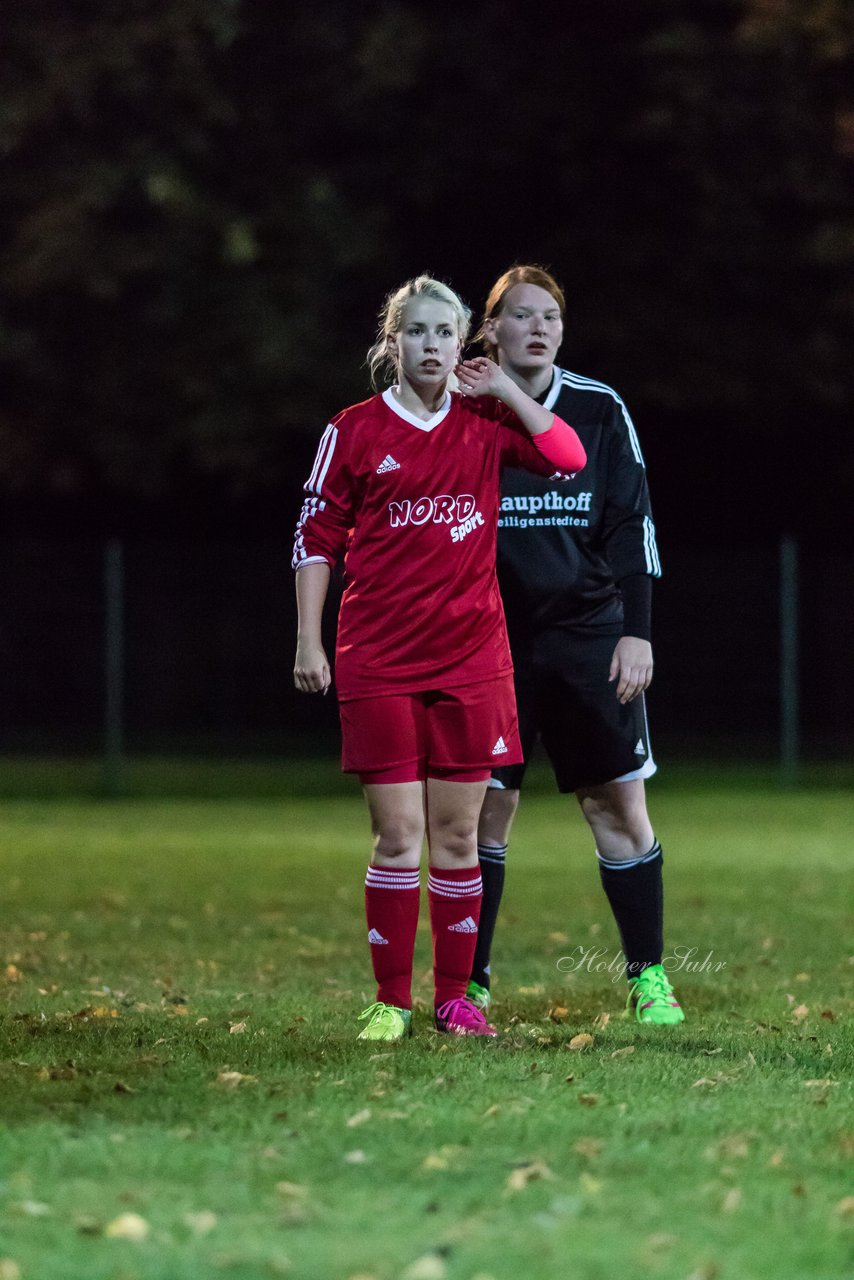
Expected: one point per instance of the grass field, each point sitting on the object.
(182, 1096)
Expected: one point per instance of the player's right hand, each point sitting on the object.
(311, 669)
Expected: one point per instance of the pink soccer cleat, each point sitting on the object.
(462, 1018)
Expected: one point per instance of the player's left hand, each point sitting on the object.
(479, 376)
(631, 667)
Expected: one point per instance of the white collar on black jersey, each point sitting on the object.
(439, 416)
(554, 388)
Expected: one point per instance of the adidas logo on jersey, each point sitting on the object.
(499, 748)
(463, 926)
(388, 464)
(640, 749)
(376, 939)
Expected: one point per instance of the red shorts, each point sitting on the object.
(459, 735)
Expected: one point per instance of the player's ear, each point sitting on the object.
(490, 330)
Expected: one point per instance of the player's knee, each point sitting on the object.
(457, 841)
(497, 814)
(396, 840)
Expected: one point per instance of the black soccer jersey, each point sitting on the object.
(563, 547)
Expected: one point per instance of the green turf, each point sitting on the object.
(151, 946)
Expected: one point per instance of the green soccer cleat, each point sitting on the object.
(480, 997)
(653, 999)
(385, 1022)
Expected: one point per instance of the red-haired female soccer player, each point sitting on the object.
(576, 564)
(405, 487)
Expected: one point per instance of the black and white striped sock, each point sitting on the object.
(491, 858)
(635, 891)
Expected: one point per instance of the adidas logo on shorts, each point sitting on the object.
(499, 748)
(640, 749)
(463, 926)
(376, 939)
(388, 464)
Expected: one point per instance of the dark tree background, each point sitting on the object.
(203, 203)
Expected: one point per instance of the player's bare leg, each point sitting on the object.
(397, 823)
(630, 869)
(617, 816)
(496, 817)
(455, 893)
(392, 897)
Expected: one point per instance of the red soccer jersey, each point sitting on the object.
(413, 508)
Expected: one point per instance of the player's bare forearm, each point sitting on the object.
(631, 667)
(311, 668)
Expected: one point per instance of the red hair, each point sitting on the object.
(517, 275)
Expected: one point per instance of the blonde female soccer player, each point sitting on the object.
(576, 564)
(405, 488)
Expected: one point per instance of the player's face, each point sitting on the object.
(427, 347)
(528, 329)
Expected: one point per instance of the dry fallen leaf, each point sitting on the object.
(582, 1041)
(732, 1200)
(434, 1162)
(734, 1147)
(590, 1185)
(237, 1028)
(231, 1079)
(355, 1157)
(291, 1190)
(128, 1226)
(201, 1222)
(13, 973)
(431, 1266)
(602, 1019)
(32, 1208)
(659, 1241)
(776, 1160)
(705, 1271)
(588, 1099)
(845, 1207)
(623, 1053)
(589, 1147)
(361, 1117)
(800, 1013)
(531, 1172)
(9, 1269)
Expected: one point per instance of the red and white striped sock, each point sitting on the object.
(455, 897)
(392, 899)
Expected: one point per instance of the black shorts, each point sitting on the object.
(565, 699)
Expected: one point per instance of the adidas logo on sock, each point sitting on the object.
(464, 926)
(640, 749)
(376, 939)
(499, 748)
(388, 464)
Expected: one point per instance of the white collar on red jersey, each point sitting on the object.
(422, 425)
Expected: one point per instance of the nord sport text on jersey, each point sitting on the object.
(531, 503)
(459, 512)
